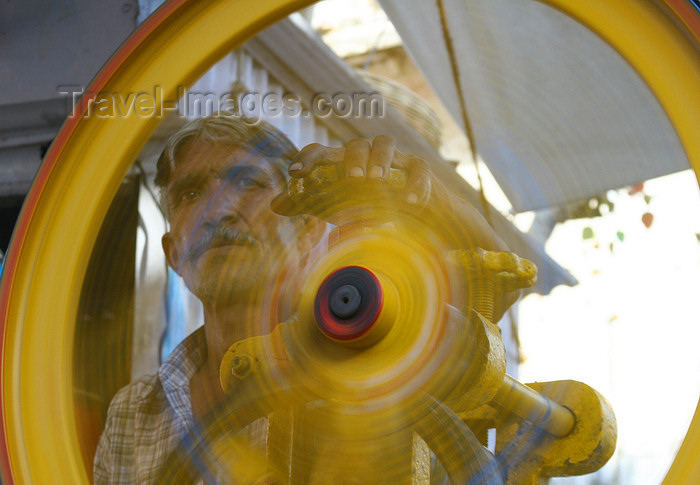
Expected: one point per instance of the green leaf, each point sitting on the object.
(588, 232)
(621, 236)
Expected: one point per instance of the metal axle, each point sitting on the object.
(532, 406)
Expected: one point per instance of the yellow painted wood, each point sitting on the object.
(71, 197)
(93, 157)
(669, 63)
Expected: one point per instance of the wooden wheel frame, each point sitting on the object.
(91, 155)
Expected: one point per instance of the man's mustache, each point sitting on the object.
(220, 235)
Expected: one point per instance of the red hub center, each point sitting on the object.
(348, 303)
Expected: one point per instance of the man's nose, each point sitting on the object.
(224, 205)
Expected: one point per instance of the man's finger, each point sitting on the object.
(381, 156)
(417, 188)
(355, 160)
(311, 156)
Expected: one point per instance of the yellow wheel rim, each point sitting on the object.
(59, 223)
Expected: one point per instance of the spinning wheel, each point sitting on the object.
(41, 442)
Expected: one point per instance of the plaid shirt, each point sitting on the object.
(148, 419)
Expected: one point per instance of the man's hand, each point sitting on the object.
(364, 167)
(365, 163)
(361, 161)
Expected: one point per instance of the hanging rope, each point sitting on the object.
(449, 45)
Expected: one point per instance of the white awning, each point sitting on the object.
(557, 114)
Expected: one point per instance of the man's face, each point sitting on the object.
(224, 240)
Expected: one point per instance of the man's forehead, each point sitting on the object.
(202, 159)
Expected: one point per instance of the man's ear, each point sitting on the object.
(170, 250)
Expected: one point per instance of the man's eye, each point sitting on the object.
(252, 182)
(187, 196)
